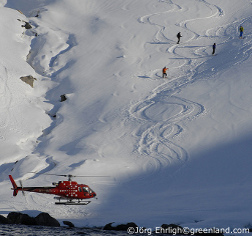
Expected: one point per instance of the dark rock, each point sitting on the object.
(27, 25)
(108, 226)
(63, 98)
(53, 115)
(124, 227)
(20, 218)
(28, 79)
(37, 15)
(4, 220)
(172, 226)
(42, 219)
(70, 224)
(121, 227)
(46, 220)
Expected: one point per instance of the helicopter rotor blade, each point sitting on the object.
(82, 176)
(21, 185)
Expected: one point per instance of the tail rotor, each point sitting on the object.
(22, 189)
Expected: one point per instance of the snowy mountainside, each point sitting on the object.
(22, 115)
(177, 149)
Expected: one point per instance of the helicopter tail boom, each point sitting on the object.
(15, 187)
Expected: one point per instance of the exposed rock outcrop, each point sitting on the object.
(63, 98)
(28, 79)
(20, 218)
(42, 219)
(68, 223)
(46, 220)
(4, 220)
(27, 25)
(121, 227)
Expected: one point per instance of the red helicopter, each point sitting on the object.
(69, 191)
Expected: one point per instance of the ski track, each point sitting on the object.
(157, 133)
(157, 140)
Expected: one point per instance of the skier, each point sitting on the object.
(179, 36)
(241, 29)
(165, 72)
(214, 47)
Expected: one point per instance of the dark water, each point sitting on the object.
(23, 230)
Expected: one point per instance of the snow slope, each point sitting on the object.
(177, 150)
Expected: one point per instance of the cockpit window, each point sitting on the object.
(85, 189)
(79, 189)
(90, 190)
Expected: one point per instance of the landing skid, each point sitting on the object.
(71, 202)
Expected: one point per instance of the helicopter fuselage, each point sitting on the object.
(63, 189)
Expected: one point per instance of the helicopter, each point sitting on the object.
(67, 192)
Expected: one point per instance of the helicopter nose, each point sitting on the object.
(94, 194)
